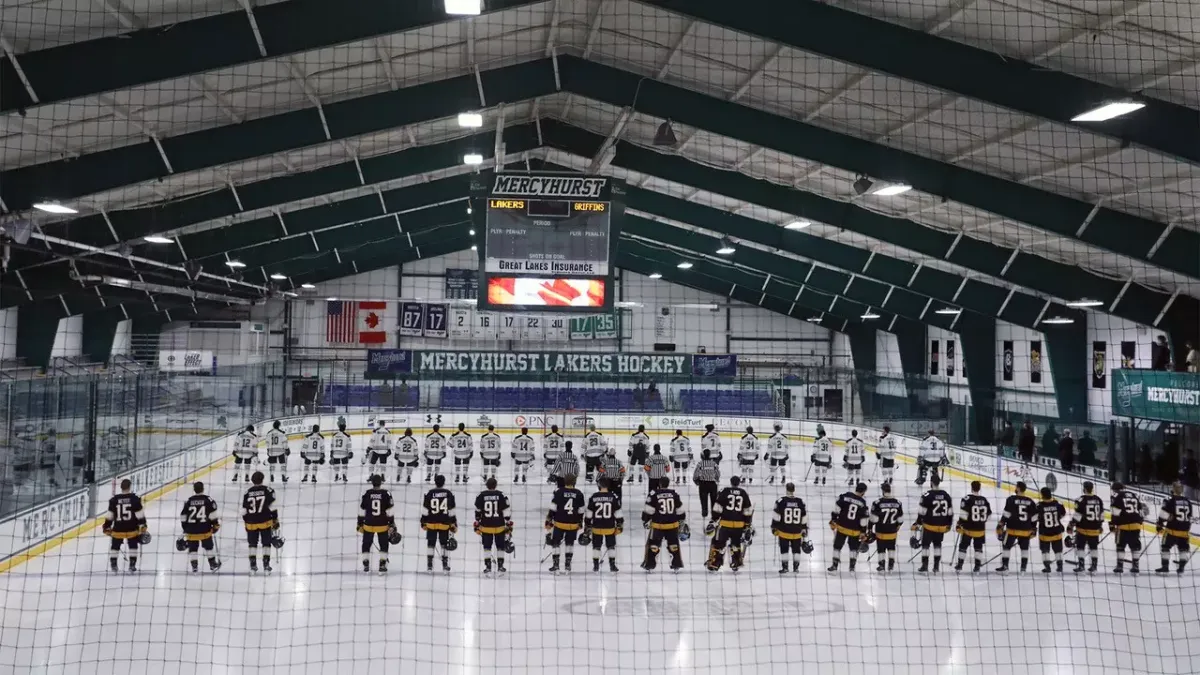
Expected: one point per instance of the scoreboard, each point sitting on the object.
(548, 240)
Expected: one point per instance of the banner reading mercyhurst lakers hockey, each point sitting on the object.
(1156, 395)
(392, 362)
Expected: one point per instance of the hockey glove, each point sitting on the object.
(508, 527)
(216, 526)
(422, 521)
(107, 527)
(549, 524)
(1000, 532)
(477, 529)
(361, 526)
(812, 459)
(832, 526)
(1159, 529)
(620, 525)
(645, 522)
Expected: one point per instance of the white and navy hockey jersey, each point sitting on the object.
(886, 449)
(711, 441)
(435, 446)
(856, 451)
(681, 449)
(748, 448)
(381, 441)
(489, 445)
(552, 446)
(340, 445)
(406, 449)
(594, 444)
(777, 446)
(314, 447)
(522, 448)
(639, 437)
(462, 445)
(245, 446)
(277, 443)
(822, 450)
(932, 450)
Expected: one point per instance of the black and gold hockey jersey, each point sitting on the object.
(566, 509)
(1050, 517)
(1176, 516)
(973, 514)
(664, 510)
(850, 515)
(733, 508)
(126, 516)
(936, 511)
(492, 512)
(1020, 516)
(1089, 515)
(1126, 511)
(199, 517)
(887, 516)
(791, 518)
(438, 510)
(376, 511)
(258, 508)
(604, 513)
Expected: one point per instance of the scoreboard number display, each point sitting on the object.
(549, 242)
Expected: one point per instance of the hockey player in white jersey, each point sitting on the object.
(407, 456)
(931, 456)
(681, 455)
(856, 454)
(822, 457)
(380, 445)
(522, 454)
(340, 453)
(435, 452)
(552, 447)
(777, 454)
(748, 455)
(711, 441)
(638, 453)
(594, 447)
(313, 452)
(885, 453)
(462, 447)
(245, 451)
(489, 452)
(277, 451)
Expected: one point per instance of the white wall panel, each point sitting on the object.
(8, 333)
(68, 339)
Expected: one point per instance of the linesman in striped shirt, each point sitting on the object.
(613, 470)
(567, 463)
(657, 465)
(706, 476)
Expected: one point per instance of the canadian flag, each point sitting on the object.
(371, 328)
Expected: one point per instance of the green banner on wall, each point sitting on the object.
(1156, 395)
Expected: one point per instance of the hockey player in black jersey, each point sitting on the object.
(604, 522)
(790, 525)
(125, 523)
(564, 520)
(494, 525)
(1174, 526)
(376, 523)
(1126, 525)
(973, 514)
(1086, 525)
(1050, 515)
(887, 516)
(732, 514)
(664, 515)
(848, 521)
(200, 527)
(439, 520)
(1016, 526)
(934, 517)
(261, 519)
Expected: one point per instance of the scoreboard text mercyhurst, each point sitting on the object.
(551, 362)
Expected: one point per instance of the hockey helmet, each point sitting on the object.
(710, 529)
(144, 538)
(685, 532)
(585, 538)
(278, 541)
(393, 536)
(914, 541)
(180, 544)
(508, 546)
(748, 536)
(1069, 541)
(451, 544)
(869, 538)
(806, 546)
(549, 539)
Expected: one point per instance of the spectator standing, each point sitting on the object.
(1066, 451)
(1190, 475)
(1087, 449)
(1027, 441)
(1050, 442)
(1193, 358)
(1160, 354)
(1146, 464)
(1008, 440)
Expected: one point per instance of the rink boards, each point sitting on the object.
(34, 531)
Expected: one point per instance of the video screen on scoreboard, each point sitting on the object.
(543, 293)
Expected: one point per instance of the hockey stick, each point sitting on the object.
(1146, 549)
(873, 472)
(810, 466)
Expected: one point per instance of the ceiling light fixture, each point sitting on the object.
(797, 225)
(892, 190)
(473, 159)
(464, 7)
(279, 277)
(1108, 111)
(727, 247)
(474, 247)
(814, 319)
(331, 299)
(307, 287)
(156, 239)
(235, 264)
(471, 232)
(869, 316)
(1084, 303)
(948, 311)
(655, 275)
(54, 207)
(1058, 321)
(470, 120)
(685, 265)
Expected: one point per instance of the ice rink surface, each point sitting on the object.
(319, 613)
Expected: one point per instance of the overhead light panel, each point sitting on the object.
(797, 225)
(307, 287)
(464, 7)
(1108, 111)
(655, 275)
(892, 190)
(470, 120)
(1058, 320)
(331, 299)
(156, 239)
(813, 319)
(727, 247)
(474, 247)
(279, 277)
(948, 311)
(54, 207)
(471, 232)
(685, 265)
(473, 159)
(869, 316)
(1085, 303)
(235, 264)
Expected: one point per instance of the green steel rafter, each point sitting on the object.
(885, 47)
(209, 43)
(1112, 230)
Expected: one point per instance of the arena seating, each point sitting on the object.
(340, 395)
(539, 398)
(727, 401)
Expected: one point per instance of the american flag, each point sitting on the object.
(341, 322)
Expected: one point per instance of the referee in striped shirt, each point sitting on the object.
(706, 477)
(657, 464)
(567, 464)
